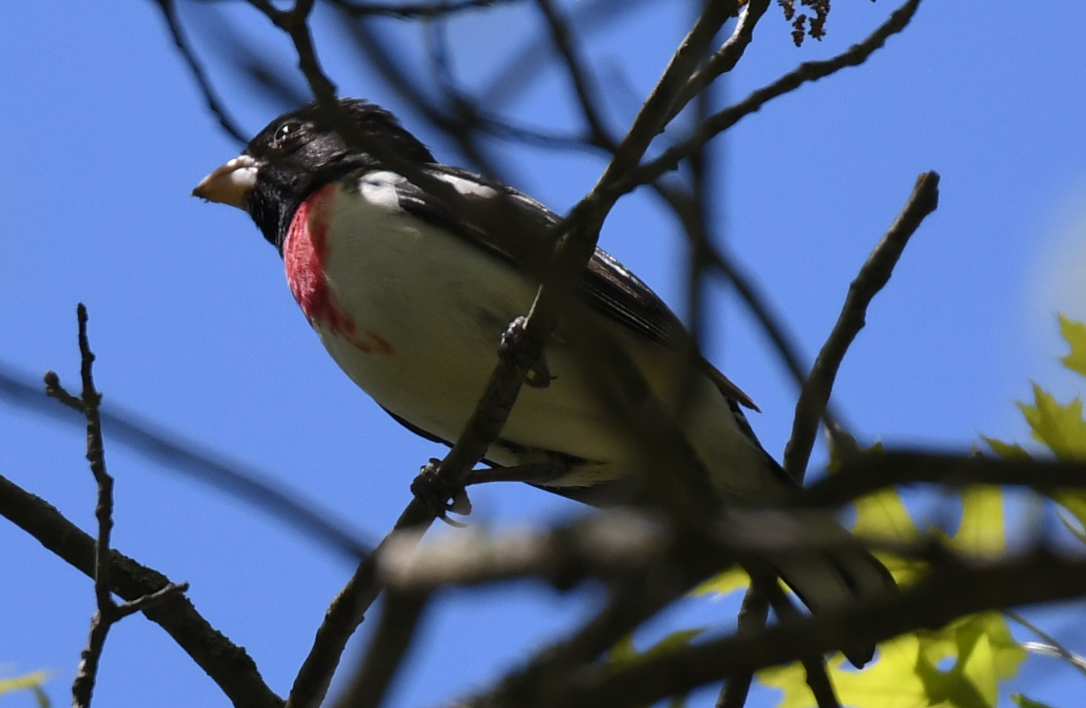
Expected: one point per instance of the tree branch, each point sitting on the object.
(721, 121)
(187, 457)
(211, 98)
(868, 472)
(410, 12)
(583, 84)
(396, 629)
(962, 587)
(872, 277)
(224, 662)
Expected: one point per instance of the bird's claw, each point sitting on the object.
(438, 495)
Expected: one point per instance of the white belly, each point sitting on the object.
(427, 316)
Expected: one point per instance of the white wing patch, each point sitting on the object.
(468, 187)
(380, 189)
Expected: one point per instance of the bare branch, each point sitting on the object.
(813, 664)
(214, 103)
(106, 613)
(400, 616)
(189, 458)
(1051, 645)
(225, 663)
(601, 545)
(142, 603)
(961, 587)
(872, 277)
(656, 111)
(721, 121)
(868, 472)
(729, 55)
(756, 301)
(346, 612)
(583, 84)
(410, 12)
(752, 618)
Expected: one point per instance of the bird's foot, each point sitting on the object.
(513, 349)
(439, 495)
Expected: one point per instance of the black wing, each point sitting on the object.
(607, 287)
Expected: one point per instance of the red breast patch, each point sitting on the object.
(305, 254)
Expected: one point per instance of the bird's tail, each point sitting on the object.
(836, 578)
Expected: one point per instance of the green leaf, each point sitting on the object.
(890, 682)
(40, 697)
(981, 530)
(19, 683)
(625, 653)
(1023, 702)
(1075, 334)
(986, 653)
(1009, 451)
(1060, 428)
(905, 673)
(882, 517)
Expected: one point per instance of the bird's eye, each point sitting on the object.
(285, 134)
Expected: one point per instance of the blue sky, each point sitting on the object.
(106, 134)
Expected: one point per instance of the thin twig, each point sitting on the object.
(874, 274)
(224, 662)
(411, 12)
(729, 55)
(1051, 642)
(107, 612)
(346, 612)
(813, 664)
(214, 103)
(250, 485)
(960, 587)
(400, 616)
(752, 618)
(577, 68)
(141, 604)
(721, 121)
(655, 112)
(867, 472)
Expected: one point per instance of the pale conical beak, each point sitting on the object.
(229, 183)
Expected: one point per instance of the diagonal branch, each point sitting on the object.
(189, 458)
(211, 98)
(960, 587)
(428, 10)
(345, 613)
(224, 662)
(583, 84)
(869, 472)
(806, 72)
(874, 274)
(397, 628)
(727, 57)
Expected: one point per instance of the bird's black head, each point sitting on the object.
(300, 152)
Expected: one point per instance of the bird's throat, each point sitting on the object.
(306, 250)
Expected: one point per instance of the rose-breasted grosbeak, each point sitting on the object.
(410, 295)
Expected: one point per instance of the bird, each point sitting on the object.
(410, 291)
